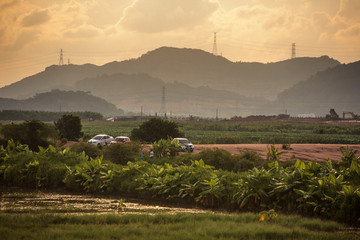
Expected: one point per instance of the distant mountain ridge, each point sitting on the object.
(337, 87)
(197, 83)
(132, 91)
(190, 66)
(67, 101)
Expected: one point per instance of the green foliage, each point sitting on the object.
(166, 148)
(121, 153)
(46, 168)
(91, 175)
(33, 133)
(90, 150)
(316, 189)
(69, 127)
(156, 129)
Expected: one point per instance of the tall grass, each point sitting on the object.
(166, 226)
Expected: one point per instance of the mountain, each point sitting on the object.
(199, 68)
(67, 101)
(193, 67)
(133, 91)
(336, 87)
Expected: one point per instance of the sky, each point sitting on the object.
(32, 33)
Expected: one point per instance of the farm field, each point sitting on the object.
(279, 132)
(39, 215)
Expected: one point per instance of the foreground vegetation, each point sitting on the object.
(210, 132)
(166, 226)
(327, 190)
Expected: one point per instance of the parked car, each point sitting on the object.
(184, 143)
(101, 140)
(121, 139)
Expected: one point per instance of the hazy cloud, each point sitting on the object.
(351, 32)
(36, 18)
(82, 32)
(165, 15)
(350, 11)
(8, 4)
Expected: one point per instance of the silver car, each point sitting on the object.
(101, 140)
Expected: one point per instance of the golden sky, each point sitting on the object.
(99, 31)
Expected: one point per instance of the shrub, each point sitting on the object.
(69, 127)
(156, 129)
(33, 133)
(89, 149)
(121, 153)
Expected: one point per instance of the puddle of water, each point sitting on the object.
(40, 202)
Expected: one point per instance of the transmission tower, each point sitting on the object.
(163, 105)
(61, 60)
(214, 51)
(293, 51)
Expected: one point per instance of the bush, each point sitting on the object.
(69, 127)
(156, 129)
(121, 153)
(33, 133)
(89, 149)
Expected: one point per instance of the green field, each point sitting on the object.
(43, 216)
(244, 132)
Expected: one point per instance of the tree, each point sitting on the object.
(156, 129)
(33, 133)
(69, 127)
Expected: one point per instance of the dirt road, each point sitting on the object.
(306, 152)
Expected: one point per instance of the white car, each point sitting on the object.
(184, 143)
(101, 140)
(121, 139)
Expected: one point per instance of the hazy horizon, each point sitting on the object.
(97, 32)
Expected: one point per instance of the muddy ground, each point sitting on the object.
(42, 202)
(305, 152)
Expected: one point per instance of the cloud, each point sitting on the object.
(8, 4)
(349, 11)
(36, 18)
(350, 32)
(164, 15)
(82, 32)
(24, 39)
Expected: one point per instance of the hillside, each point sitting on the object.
(199, 68)
(193, 67)
(130, 92)
(336, 87)
(66, 101)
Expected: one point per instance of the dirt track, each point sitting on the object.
(306, 152)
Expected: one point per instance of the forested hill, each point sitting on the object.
(194, 67)
(337, 87)
(65, 101)
(131, 91)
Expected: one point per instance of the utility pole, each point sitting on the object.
(214, 51)
(61, 60)
(141, 114)
(217, 116)
(163, 103)
(293, 51)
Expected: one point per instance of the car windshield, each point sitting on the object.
(184, 141)
(121, 139)
(97, 137)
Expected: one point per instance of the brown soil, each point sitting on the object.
(305, 152)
